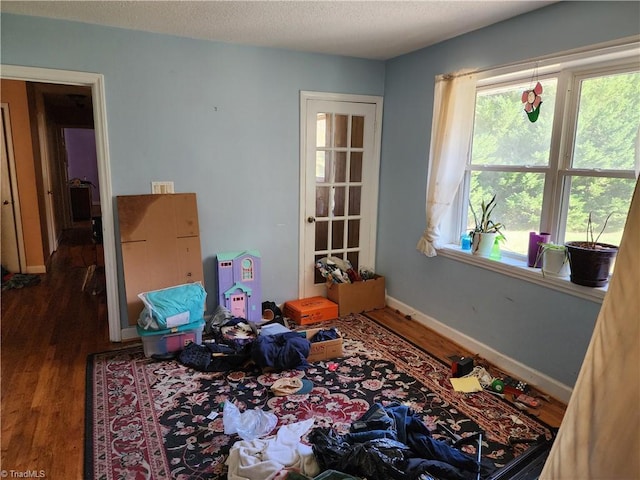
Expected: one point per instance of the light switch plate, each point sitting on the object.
(162, 187)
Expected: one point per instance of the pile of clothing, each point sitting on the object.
(238, 343)
(392, 442)
(259, 458)
(18, 280)
(389, 442)
(336, 270)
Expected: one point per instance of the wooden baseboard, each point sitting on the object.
(36, 269)
(129, 333)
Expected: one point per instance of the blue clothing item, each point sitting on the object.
(375, 423)
(408, 448)
(413, 432)
(326, 334)
(363, 437)
(282, 351)
(224, 358)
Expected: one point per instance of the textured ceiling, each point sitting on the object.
(368, 29)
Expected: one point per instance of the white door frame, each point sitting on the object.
(96, 82)
(335, 97)
(13, 180)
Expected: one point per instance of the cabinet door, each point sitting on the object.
(80, 203)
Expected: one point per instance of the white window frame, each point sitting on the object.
(570, 69)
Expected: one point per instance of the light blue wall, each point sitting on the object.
(242, 159)
(541, 328)
(217, 119)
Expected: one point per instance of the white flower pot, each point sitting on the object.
(555, 263)
(483, 244)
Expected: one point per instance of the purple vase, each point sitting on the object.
(535, 239)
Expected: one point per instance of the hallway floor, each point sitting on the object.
(47, 331)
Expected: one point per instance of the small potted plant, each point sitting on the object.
(554, 260)
(485, 232)
(590, 261)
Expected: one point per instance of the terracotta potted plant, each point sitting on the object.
(590, 261)
(485, 232)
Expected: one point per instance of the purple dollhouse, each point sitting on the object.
(239, 284)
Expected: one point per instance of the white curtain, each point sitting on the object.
(453, 108)
(600, 434)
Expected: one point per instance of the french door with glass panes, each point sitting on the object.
(339, 183)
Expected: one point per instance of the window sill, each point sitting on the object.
(518, 269)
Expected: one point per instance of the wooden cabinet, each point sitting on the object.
(160, 242)
(80, 196)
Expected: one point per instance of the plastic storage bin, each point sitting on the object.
(160, 342)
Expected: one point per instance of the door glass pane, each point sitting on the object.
(317, 276)
(353, 239)
(357, 132)
(353, 257)
(322, 236)
(608, 122)
(340, 167)
(355, 168)
(340, 136)
(323, 166)
(598, 196)
(337, 234)
(338, 199)
(323, 129)
(322, 201)
(354, 200)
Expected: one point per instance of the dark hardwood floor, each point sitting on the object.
(551, 412)
(47, 331)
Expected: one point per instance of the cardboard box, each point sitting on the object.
(310, 310)
(322, 350)
(358, 297)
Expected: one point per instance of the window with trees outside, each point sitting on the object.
(579, 158)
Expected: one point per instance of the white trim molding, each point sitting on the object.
(129, 333)
(36, 269)
(372, 180)
(96, 82)
(15, 194)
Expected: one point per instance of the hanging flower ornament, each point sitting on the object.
(532, 101)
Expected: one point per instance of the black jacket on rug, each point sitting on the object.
(393, 442)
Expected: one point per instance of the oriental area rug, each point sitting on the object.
(150, 419)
